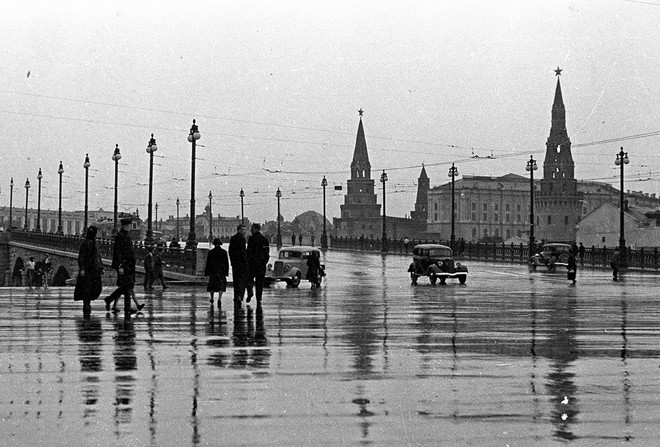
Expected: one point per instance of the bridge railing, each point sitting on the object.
(640, 259)
(174, 260)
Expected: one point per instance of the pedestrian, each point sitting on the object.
(258, 252)
(175, 243)
(572, 269)
(158, 267)
(581, 251)
(239, 265)
(30, 271)
(123, 260)
(293, 239)
(406, 241)
(312, 237)
(461, 247)
(299, 238)
(17, 276)
(314, 270)
(90, 271)
(47, 269)
(217, 269)
(149, 270)
(615, 264)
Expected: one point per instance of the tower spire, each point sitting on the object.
(360, 166)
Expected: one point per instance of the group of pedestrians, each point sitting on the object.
(37, 274)
(153, 268)
(248, 265)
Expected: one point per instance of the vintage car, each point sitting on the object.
(436, 262)
(290, 266)
(552, 256)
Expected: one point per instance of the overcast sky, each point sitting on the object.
(275, 88)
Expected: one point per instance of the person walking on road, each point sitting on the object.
(90, 271)
(158, 267)
(293, 239)
(30, 271)
(239, 265)
(314, 271)
(47, 268)
(615, 263)
(572, 269)
(217, 269)
(581, 251)
(123, 260)
(258, 252)
(149, 270)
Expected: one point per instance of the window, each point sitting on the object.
(549, 219)
(507, 217)
(497, 207)
(484, 217)
(565, 220)
(507, 207)
(508, 234)
(485, 232)
(474, 216)
(474, 233)
(497, 217)
(436, 207)
(518, 218)
(474, 206)
(496, 233)
(485, 207)
(436, 216)
(518, 207)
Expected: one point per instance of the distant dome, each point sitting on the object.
(310, 222)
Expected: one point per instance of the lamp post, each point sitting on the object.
(210, 217)
(156, 219)
(242, 194)
(27, 190)
(453, 172)
(116, 156)
(621, 160)
(324, 236)
(531, 167)
(11, 202)
(60, 171)
(278, 194)
(39, 177)
(192, 138)
(86, 165)
(383, 245)
(151, 148)
(177, 219)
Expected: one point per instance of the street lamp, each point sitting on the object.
(278, 194)
(192, 138)
(621, 160)
(324, 236)
(39, 177)
(86, 165)
(210, 217)
(60, 171)
(531, 167)
(116, 156)
(453, 172)
(156, 219)
(27, 190)
(151, 148)
(242, 194)
(177, 219)
(383, 245)
(11, 202)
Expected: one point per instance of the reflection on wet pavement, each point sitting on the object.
(511, 357)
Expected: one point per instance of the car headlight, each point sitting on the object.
(269, 266)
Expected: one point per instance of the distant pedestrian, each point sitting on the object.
(174, 244)
(90, 271)
(217, 269)
(300, 239)
(123, 260)
(312, 237)
(158, 266)
(258, 252)
(30, 271)
(581, 251)
(149, 270)
(47, 267)
(239, 265)
(406, 241)
(17, 276)
(615, 263)
(293, 239)
(572, 269)
(461, 247)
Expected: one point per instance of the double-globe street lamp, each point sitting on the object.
(278, 194)
(27, 191)
(60, 171)
(151, 148)
(177, 219)
(531, 167)
(192, 138)
(453, 172)
(324, 236)
(86, 165)
(210, 217)
(11, 202)
(383, 245)
(116, 156)
(621, 160)
(39, 177)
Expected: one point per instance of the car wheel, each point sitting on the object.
(443, 281)
(295, 281)
(413, 278)
(462, 279)
(433, 279)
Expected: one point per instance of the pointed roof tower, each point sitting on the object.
(360, 166)
(423, 185)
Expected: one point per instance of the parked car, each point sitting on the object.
(291, 265)
(436, 262)
(552, 256)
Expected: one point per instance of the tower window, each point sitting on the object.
(565, 220)
(549, 220)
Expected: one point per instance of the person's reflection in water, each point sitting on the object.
(218, 340)
(561, 347)
(125, 362)
(89, 353)
(249, 332)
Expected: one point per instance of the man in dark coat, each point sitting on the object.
(123, 260)
(258, 252)
(239, 265)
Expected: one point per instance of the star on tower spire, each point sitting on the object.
(558, 71)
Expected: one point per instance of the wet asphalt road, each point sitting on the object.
(510, 358)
